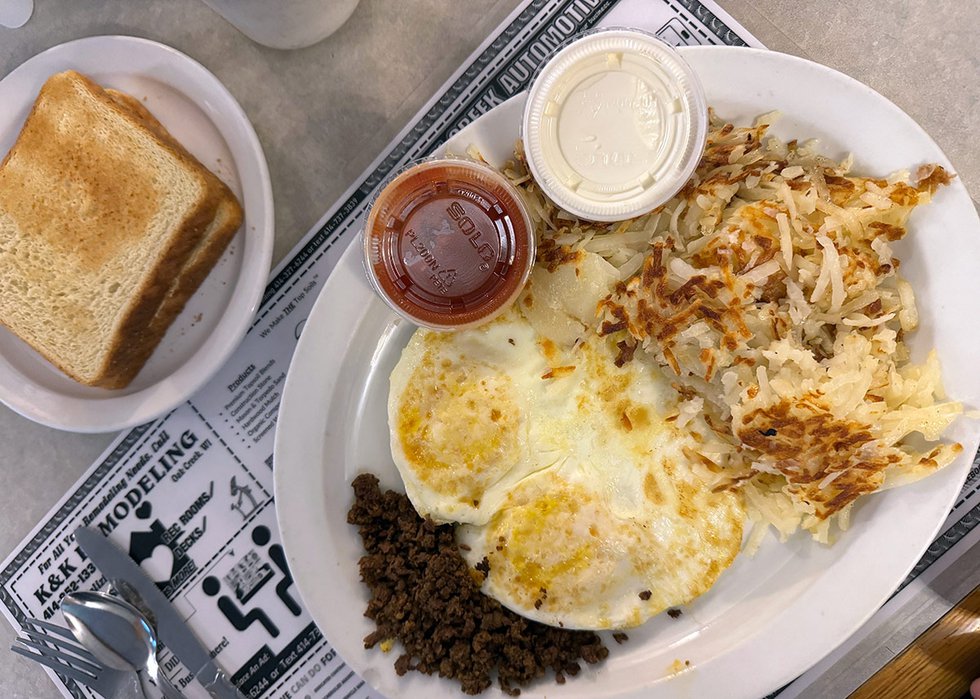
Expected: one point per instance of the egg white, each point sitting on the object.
(458, 411)
(570, 481)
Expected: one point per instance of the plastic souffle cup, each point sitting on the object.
(448, 243)
(614, 125)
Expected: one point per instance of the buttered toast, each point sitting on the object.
(107, 227)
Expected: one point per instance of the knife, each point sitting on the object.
(172, 629)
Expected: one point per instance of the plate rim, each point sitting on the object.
(285, 448)
(89, 415)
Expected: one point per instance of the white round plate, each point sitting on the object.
(203, 116)
(769, 617)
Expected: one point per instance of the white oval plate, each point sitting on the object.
(200, 112)
(769, 617)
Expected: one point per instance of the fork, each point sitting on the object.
(53, 646)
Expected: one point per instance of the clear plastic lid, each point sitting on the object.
(448, 243)
(614, 125)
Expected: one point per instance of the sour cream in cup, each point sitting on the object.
(614, 125)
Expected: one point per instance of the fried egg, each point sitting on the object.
(568, 479)
(459, 408)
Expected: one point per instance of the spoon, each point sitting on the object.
(117, 634)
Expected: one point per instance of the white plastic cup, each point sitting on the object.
(615, 124)
(285, 24)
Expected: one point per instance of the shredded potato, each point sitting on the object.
(767, 291)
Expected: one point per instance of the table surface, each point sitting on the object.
(324, 113)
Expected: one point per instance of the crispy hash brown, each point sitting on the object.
(768, 290)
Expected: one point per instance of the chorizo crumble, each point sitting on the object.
(424, 595)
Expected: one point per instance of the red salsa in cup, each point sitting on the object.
(448, 243)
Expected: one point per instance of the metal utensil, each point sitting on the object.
(127, 592)
(52, 646)
(171, 627)
(117, 634)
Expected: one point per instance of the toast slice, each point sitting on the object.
(228, 219)
(99, 219)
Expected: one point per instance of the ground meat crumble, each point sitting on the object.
(425, 595)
